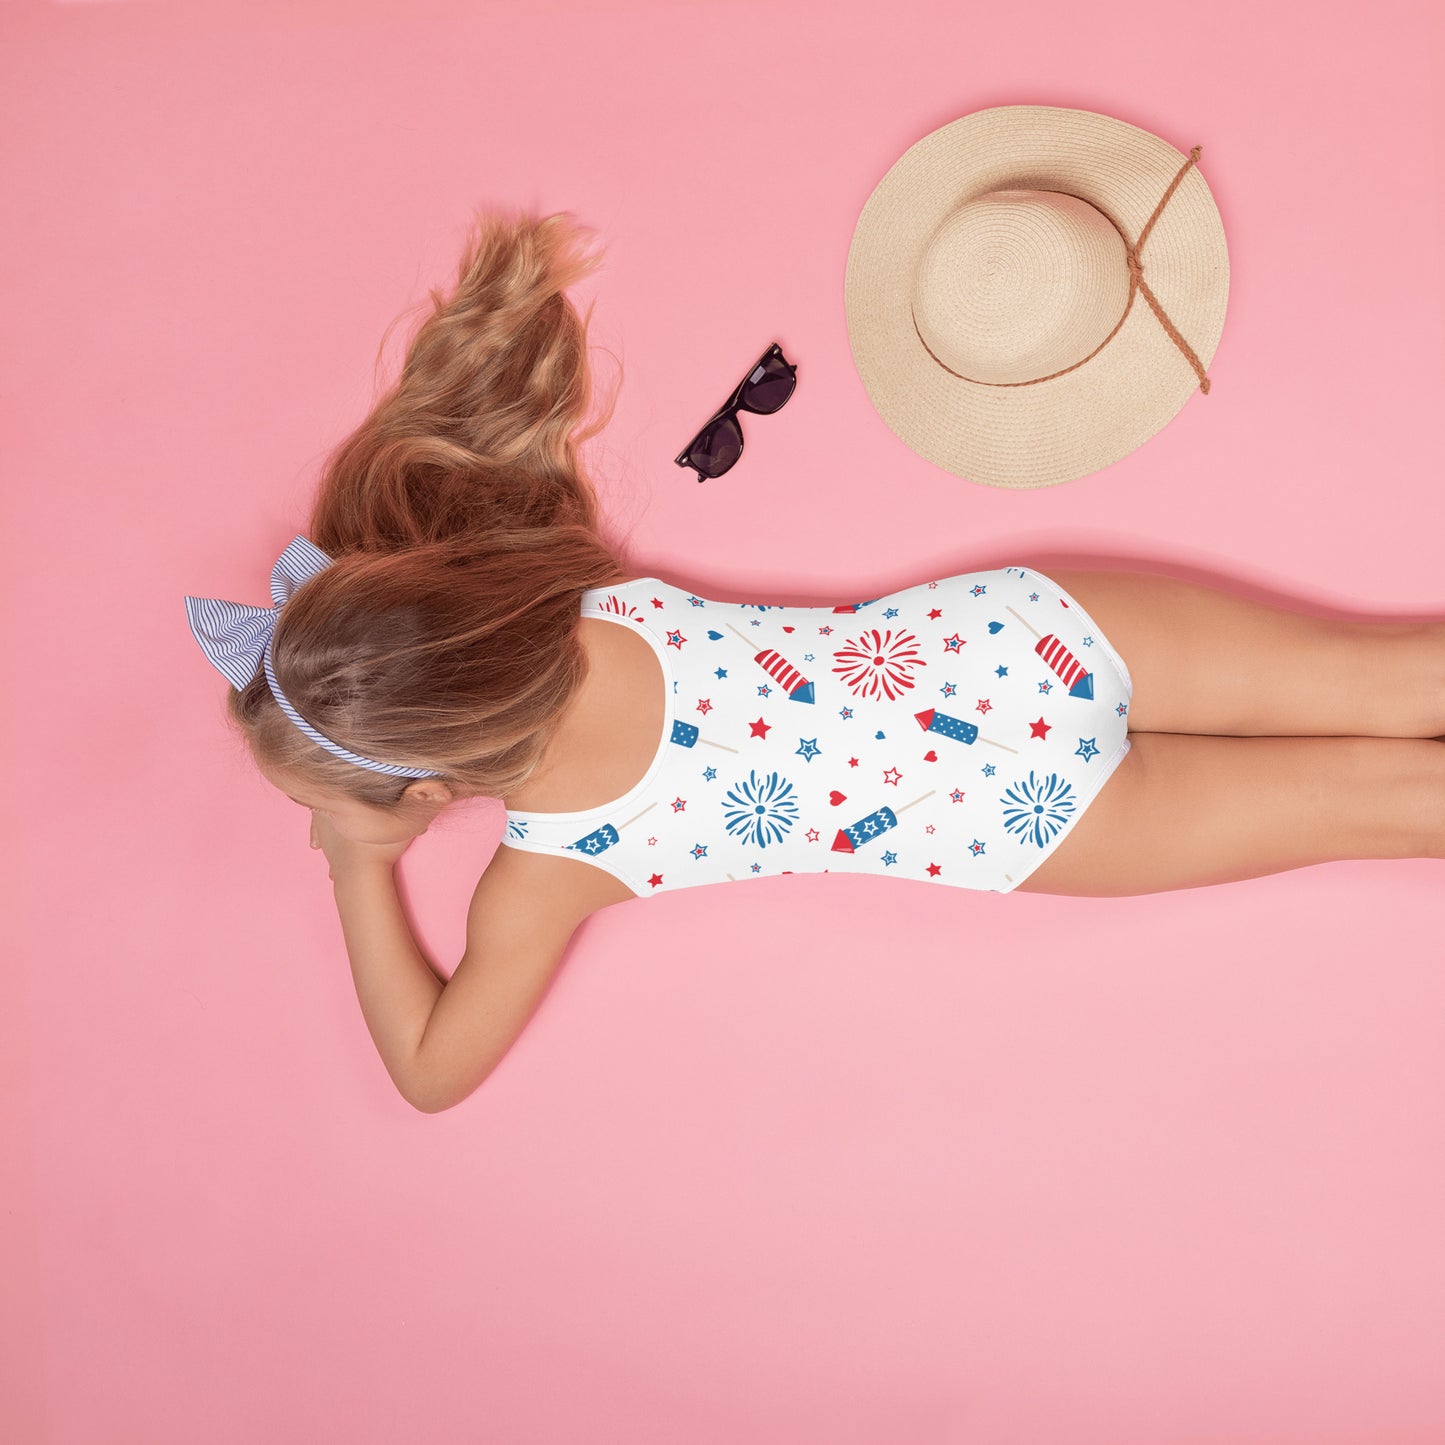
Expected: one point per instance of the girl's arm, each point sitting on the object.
(395, 985)
(439, 1040)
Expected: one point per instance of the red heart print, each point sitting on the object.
(930, 756)
(787, 629)
(835, 797)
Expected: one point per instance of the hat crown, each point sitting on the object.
(1015, 285)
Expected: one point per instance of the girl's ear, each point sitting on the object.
(431, 791)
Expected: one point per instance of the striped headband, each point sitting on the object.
(236, 637)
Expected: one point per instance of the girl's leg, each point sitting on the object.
(1183, 811)
(1205, 661)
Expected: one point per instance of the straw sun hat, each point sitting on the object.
(1033, 292)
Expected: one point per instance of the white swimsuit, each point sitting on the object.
(953, 732)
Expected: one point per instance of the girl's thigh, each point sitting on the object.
(1207, 661)
(1186, 811)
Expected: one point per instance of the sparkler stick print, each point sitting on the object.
(686, 735)
(798, 688)
(1062, 663)
(850, 839)
(933, 721)
(600, 839)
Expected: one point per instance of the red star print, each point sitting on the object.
(704, 705)
(657, 601)
(935, 614)
(984, 705)
(652, 842)
(934, 870)
(1039, 729)
(759, 729)
(852, 762)
(678, 804)
(812, 835)
(892, 776)
(655, 879)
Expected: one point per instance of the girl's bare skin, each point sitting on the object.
(1263, 740)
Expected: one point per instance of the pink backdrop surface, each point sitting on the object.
(830, 1160)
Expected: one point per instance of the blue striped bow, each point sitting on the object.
(236, 638)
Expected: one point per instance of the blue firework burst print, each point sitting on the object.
(1038, 808)
(760, 810)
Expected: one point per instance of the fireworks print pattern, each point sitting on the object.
(1038, 808)
(879, 662)
(760, 810)
(952, 732)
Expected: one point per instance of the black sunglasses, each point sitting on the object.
(720, 443)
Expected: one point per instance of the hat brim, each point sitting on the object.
(1058, 430)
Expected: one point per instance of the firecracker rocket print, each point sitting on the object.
(950, 733)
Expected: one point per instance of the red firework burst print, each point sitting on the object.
(613, 603)
(879, 663)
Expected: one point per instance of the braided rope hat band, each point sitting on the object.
(991, 283)
(236, 638)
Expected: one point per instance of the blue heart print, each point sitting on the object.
(995, 627)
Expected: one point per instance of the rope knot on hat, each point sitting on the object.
(1014, 283)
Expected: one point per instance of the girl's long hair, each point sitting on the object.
(463, 531)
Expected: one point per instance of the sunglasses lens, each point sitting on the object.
(769, 386)
(717, 448)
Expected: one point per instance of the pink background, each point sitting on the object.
(829, 1160)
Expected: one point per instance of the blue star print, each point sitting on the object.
(808, 748)
(1086, 749)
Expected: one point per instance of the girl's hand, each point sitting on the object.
(346, 854)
